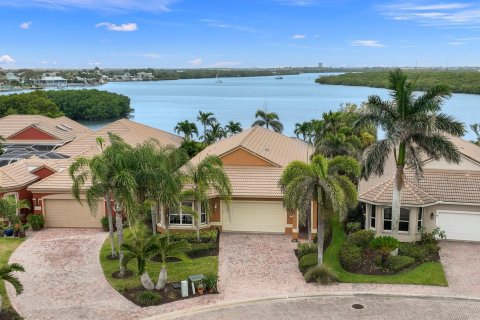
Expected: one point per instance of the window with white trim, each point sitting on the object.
(203, 213)
(373, 216)
(404, 224)
(182, 218)
(420, 219)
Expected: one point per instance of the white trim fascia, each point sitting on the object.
(465, 212)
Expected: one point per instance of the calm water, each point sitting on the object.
(162, 104)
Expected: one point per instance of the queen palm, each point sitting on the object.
(414, 127)
(328, 182)
(9, 208)
(268, 120)
(203, 178)
(167, 249)
(187, 128)
(233, 127)
(214, 133)
(6, 274)
(205, 118)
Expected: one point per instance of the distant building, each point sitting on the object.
(10, 76)
(145, 76)
(51, 81)
(320, 65)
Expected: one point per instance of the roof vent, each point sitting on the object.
(62, 128)
(68, 127)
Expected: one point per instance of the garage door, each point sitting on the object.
(254, 216)
(460, 225)
(66, 213)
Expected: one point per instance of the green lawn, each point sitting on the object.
(428, 273)
(176, 270)
(7, 246)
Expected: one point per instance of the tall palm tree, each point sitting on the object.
(413, 126)
(187, 128)
(201, 179)
(167, 249)
(214, 133)
(6, 274)
(9, 208)
(268, 120)
(476, 129)
(328, 182)
(205, 118)
(233, 127)
(304, 129)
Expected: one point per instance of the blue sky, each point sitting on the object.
(243, 33)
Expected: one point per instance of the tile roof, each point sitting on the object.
(255, 182)
(267, 144)
(131, 132)
(19, 174)
(62, 128)
(58, 182)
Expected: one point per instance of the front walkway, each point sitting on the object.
(64, 279)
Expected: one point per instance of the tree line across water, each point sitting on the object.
(75, 104)
(459, 81)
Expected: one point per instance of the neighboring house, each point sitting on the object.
(254, 161)
(10, 76)
(447, 196)
(51, 81)
(53, 194)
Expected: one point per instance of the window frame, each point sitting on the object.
(420, 218)
(373, 217)
(181, 215)
(399, 220)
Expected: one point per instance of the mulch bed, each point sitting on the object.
(128, 274)
(170, 294)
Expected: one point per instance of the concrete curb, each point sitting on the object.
(348, 294)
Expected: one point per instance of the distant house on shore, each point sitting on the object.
(51, 81)
(10, 76)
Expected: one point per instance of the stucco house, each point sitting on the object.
(447, 196)
(254, 161)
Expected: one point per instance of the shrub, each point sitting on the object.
(308, 261)
(353, 227)
(149, 298)
(416, 251)
(431, 237)
(397, 263)
(385, 244)
(36, 221)
(356, 215)
(211, 280)
(361, 238)
(320, 274)
(350, 256)
(104, 222)
(306, 248)
(191, 237)
(201, 249)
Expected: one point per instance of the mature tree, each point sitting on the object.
(328, 182)
(233, 127)
(6, 274)
(9, 208)
(205, 118)
(214, 133)
(268, 120)
(167, 249)
(203, 178)
(341, 143)
(476, 129)
(305, 130)
(413, 126)
(187, 128)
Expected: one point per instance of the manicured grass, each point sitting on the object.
(7, 246)
(176, 270)
(428, 273)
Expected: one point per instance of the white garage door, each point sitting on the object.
(460, 225)
(66, 213)
(254, 216)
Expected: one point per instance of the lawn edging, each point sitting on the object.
(427, 273)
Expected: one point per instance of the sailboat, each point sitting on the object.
(218, 79)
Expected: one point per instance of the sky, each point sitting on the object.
(237, 33)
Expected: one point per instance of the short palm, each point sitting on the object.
(268, 120)
(166, 250)
(6, 274)
(9, 206)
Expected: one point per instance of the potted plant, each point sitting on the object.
(16, 229)
(9, 231)
(211, 280)
(200, 288)
(36, 221)
(23, 229)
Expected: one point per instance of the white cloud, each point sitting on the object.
(94, 63)
(124, 27)
(44, 62)
(6, 59)
(196, 62)
(96, 5)
(25, 25)
(367, 43)
(150, 55)
(298, 3)
(299, 36)
(316, 36)
(226, 64)
(220, 24)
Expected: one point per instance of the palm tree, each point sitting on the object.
(6, 274)
(205, 118)
(269, 120)
(328, 182)
(203, 178)
(167, 250)
(141, 247)
(214, 133)
(233, 127)
(341, 143)
(9, 208)
(476, 129)
(187, 128)
(413, 126)
(304, 129)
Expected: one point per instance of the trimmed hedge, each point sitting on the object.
(209, 236)
(306, 248)
(308, 261)
(201, 250)
(397, 263)
(361, 238)
(413, 250)
(350, 256)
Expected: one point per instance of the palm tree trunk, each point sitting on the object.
(199, 217)
(110, 224)
(147, 283)
(309, 225)
(396, 200)
(320, 228)
(119, 222)
(162, 278)
(154, 212)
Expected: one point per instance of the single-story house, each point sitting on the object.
(254, 161)
(446, 196)
(53, 196)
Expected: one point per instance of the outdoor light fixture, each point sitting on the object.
(431, 215)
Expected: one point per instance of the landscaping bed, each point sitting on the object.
(204, 260)
(8, 246)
